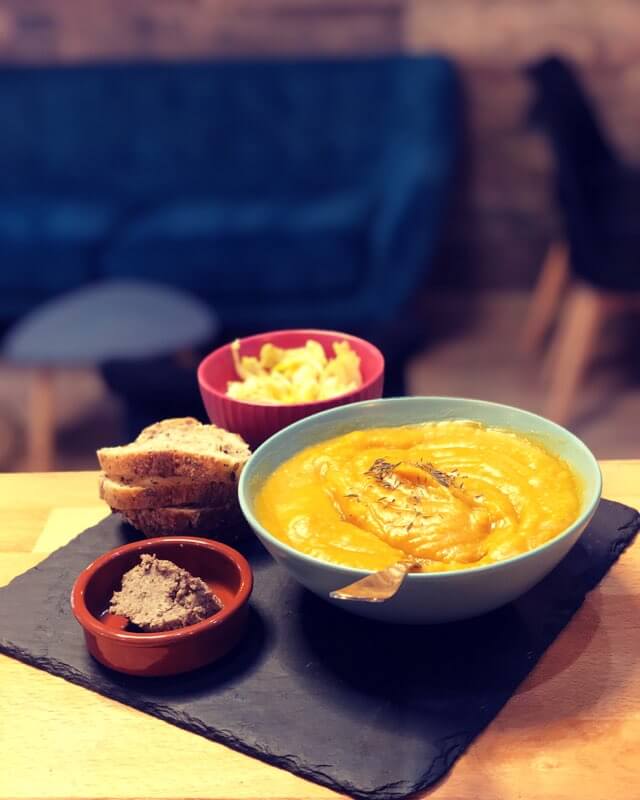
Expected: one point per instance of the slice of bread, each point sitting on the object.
(177, 448)
(224, 524)
(162, 492)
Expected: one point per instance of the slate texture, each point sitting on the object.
(373, 710)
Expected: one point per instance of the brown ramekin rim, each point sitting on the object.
(93, 625)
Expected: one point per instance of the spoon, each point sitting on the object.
(377, 587)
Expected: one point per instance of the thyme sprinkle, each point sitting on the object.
(442, 477)
(381, 469)
(411, 524)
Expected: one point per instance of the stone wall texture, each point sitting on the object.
(504, 214)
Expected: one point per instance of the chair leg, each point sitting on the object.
(41, 422)
(572, 349)
(546, 297)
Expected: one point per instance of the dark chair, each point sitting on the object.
(597, 265)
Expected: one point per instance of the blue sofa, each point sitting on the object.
(284, 192)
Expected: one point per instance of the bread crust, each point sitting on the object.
(180, 448)
(223, 524)
(178, 477)
(166, 492)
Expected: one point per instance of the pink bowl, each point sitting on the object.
(256, 422)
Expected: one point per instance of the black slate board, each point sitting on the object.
(377, 711)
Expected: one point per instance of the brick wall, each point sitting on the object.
(504, 215)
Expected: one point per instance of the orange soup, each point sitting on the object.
(451, 495)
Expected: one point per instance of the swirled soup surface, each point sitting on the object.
(453, 494)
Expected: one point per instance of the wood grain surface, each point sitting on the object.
(571, 731)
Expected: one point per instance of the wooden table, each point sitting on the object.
(571, 731)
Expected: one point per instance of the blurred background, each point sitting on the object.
(455, 181)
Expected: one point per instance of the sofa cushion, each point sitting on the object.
(51, 243)
(254, 252)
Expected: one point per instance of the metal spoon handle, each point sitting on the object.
(375, 588)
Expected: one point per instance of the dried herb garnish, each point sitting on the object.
(352, 494)
(415, 519)
(443, 478)
(382, 470)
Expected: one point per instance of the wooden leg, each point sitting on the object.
(546, 297)
(572, 349)
(41, 422)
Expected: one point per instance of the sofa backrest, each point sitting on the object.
(237, 129)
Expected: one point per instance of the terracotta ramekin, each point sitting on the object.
(227, 573)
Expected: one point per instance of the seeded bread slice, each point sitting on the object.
(224, 524)
(177, 448)
(162, 492)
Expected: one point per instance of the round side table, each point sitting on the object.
(106, 321)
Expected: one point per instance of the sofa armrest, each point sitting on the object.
(415, 187)
(406, 228)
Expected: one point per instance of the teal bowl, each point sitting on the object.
(424, 597)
